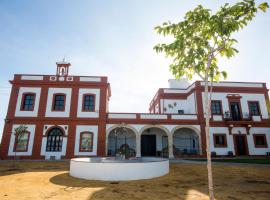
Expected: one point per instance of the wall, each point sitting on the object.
(244, 102)
(188, 105)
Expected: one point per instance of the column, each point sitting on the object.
(138, 145)
(170, 143)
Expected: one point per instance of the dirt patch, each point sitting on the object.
(50, 180)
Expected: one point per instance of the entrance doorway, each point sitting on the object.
(148, 145)
(235, 110)
(54, 140)
(240, 145)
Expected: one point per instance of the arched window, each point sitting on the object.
(86, 141)
(54, 140)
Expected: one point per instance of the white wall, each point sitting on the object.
(188, 105)
(94, 114)
(91, 169)
(31, 129)
(251, 146)
(241, 130)
(244, 102)
(221, 150)
(65, 113)
(181, 83)
(83, 128)
(34, 113)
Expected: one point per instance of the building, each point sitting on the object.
(67, 116)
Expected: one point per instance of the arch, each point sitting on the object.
(187, 141)
(55, 126)
(189, 127)
(154, 126)
(124, 144)
(155, 143)
(118, 125)
(54, 140)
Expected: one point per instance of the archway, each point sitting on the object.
(121, 141)
(154, 142)
(54, 140)
(185, 142)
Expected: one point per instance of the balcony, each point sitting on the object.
(245, 118)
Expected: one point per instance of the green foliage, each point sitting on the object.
(202, 36)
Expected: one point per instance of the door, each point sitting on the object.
(148, 145)
(240, 142)
(54, 140)
(235, 110)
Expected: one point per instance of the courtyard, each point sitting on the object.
(50, 180)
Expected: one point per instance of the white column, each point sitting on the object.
(170, 143)
(138, 145)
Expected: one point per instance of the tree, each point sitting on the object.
(199, 40)
(19, 133)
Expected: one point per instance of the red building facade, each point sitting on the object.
(67, 116)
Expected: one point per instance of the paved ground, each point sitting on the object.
(50, 180)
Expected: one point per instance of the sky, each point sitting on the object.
(114, 39)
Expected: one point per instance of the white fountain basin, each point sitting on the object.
(108, 169)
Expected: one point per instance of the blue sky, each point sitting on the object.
(114, 39)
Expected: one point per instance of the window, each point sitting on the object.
(88, 102)
(216, 107)
(180, 112)
(86, 141)
(260, 141)
(28, 101)
(220, 140)
(59, 102)
(54, 140)
(21, 142)
(254, 108)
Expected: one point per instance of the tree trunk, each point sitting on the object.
(207, 127)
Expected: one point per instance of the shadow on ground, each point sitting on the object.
(51, 180)
(183, 182)
(16, 167)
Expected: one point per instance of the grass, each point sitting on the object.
(264, 160)
(50, 180)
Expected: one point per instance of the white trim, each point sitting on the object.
(31, 128)
(153, 116)
(51, 92)
(34, 113)
(122, 116)
(32, 78)
(234, 84)
(90, 79)
(191, 117)
(83, 128)
(94, 114)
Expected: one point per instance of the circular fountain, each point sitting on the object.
(123, 167)
(112, 169)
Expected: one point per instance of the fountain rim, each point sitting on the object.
(110, 161)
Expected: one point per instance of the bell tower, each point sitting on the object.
(62, 68)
